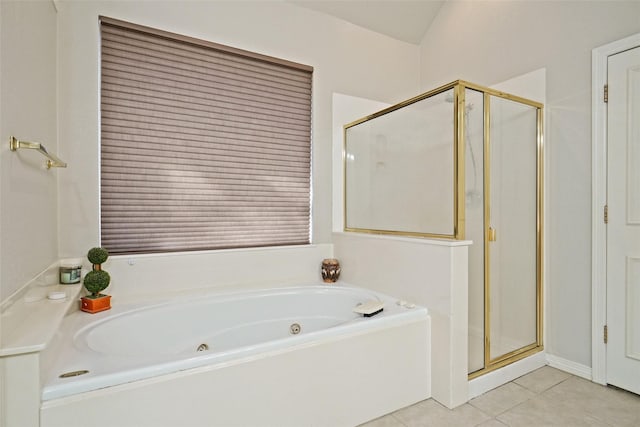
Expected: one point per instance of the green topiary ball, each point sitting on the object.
(97, 255)
(96, 281)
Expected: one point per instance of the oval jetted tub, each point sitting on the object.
(280, 356)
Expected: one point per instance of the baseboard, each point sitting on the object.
(574, 368)
(491, 380)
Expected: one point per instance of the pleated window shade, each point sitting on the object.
(203, 146)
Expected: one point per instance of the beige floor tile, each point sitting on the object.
(546, 397)
(542, 379)
(386, 421)
(431, 413)
(501, 399)
(616, 407)
(541, 411)
(492, 423)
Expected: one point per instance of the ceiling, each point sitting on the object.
(405, 20)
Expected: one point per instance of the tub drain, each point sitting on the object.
(295, 329)
(202, 347)
(73, 374)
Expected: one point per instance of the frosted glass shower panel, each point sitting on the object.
(399, 169)
(513, 214)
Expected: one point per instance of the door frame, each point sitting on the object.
(599, 60)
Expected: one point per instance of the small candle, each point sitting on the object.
(70, 271)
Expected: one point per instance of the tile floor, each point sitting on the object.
(545, 397)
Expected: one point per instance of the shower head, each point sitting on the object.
(449, 99)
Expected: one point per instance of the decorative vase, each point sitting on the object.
(330, 270)
(95, 305)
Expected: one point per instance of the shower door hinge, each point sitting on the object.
(606, 214)
(606, 334)
(606, 93)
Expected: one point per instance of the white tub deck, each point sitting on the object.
(342, 369)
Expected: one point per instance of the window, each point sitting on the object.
(203, 146)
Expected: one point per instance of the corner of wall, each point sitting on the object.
(28, 216)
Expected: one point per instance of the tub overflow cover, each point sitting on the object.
(73, 373)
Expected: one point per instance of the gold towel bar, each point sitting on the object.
(52, 162)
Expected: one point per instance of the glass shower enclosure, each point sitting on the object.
(462, 161)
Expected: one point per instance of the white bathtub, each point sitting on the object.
(232, 359)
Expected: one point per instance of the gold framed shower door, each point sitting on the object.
(458, 219)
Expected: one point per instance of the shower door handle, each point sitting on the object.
(491, 234)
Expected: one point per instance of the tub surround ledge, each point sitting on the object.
(30, 319)
(29, 322)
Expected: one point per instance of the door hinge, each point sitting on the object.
(606, 93)
(606, 214)
(606, 334)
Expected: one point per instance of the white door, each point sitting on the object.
(623, 229)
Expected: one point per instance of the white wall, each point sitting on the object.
(28, 194)
(345, 58)
(487, 42)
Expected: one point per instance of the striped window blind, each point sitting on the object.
(203, 146)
